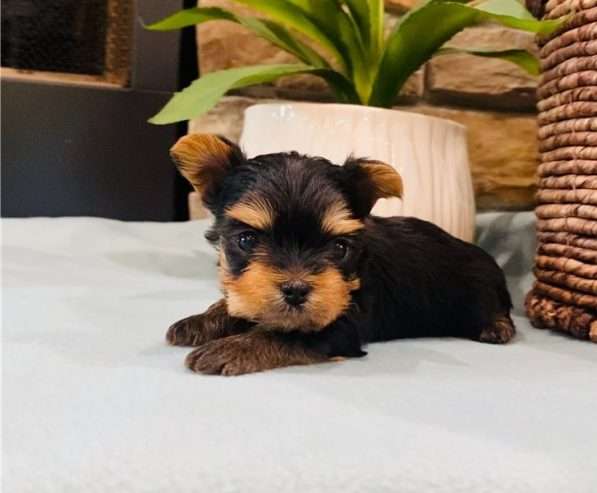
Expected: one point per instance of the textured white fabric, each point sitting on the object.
(94, 400)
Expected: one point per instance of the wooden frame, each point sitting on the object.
(81, 145)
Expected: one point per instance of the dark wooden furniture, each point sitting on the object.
(80, 144)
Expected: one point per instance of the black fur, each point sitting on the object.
(435, 284)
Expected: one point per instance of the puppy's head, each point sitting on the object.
(288, 228)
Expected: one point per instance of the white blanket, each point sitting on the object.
(94, 401)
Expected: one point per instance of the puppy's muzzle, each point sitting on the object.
(295, 292)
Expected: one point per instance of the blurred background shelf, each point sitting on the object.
(77, 91)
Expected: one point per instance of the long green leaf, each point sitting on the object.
(204, 93)
(303, 4)
(342, 29)
(408, 48)
(376, 21)
(190, 17)
(279, 36)
(512, 13)
(369, 17)
(292, 16)
(274, 33)
(525, 60)
(359, 9)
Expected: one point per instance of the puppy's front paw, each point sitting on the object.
(199, 329)
(228, 356)
(187, 332)
(248, 353)
(500, 332)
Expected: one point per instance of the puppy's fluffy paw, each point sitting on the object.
(229, 356)
(500, 332)
(187, 332)
(249, 353)
(199, 329)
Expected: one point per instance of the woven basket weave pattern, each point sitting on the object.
(564, 296)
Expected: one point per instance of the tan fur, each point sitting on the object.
(201, 159)
(330, 296)
(253, 211)
(386, 180)
(337, 220)
(255, 295)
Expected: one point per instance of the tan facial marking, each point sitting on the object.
(254, 211)
(330, 296)
(254, 292)
(337, 220)
(255, 295)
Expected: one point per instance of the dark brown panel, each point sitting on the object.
(69, 150)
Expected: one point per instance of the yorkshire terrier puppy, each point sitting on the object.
(309, 276)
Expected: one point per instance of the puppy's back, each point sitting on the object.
(421, 281)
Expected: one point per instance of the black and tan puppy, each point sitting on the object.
(309, 276)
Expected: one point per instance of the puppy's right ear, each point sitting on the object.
(205, 160)
(369, 181)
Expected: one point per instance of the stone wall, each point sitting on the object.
(494, 99)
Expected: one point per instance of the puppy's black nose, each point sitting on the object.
(295, 292)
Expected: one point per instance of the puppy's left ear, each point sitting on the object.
(204, 160)
(368, 181)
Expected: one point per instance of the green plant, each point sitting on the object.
(358, 61)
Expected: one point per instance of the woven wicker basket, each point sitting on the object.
(564, 295)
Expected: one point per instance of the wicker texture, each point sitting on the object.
(564, 296)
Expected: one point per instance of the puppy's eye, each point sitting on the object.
(247, 241)
(341, 248)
